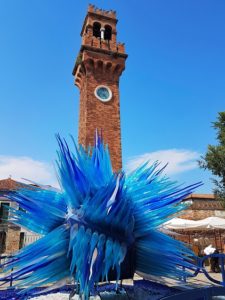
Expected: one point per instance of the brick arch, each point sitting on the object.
(118, 69)
(88, 65)
(99, 66)
(108, 65)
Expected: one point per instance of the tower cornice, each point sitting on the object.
(97, 50)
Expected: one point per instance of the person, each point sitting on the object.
(210, 261)
(196, 248)
(214, 263)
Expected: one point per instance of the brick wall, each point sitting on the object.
(202, 214)
(95, 114)
(203, 206)
(12, 240)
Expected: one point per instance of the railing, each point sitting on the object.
(3, 260)
(200, 268)
(206, 292)
(30, 238)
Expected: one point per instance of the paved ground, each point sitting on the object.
(196, 282)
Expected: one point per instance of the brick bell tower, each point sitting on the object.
(100, 62)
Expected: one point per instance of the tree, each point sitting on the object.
(214, 159)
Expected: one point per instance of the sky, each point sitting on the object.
(171, 90)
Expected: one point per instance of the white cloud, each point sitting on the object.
(28, 168)
(180, 160)
(42, 172)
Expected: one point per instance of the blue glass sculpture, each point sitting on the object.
(96, 218)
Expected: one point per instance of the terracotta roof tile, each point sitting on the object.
(201, 196)
(9, 184)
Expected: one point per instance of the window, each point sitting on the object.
(97, 29)
(2, 241)
(108, 32)
(4, 213)
(21, 244)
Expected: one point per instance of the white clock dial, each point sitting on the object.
(103, 93)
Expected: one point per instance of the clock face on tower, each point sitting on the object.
(103, 93)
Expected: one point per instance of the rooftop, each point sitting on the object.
(98, 11)
(9, 184)
(201, 196)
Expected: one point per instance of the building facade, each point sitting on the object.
(12, 237)
(203, 206)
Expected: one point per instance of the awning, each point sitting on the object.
(208, 223)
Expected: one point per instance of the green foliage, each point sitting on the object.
(214, 159)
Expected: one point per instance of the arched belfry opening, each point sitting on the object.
(97, 29)
(108, 33)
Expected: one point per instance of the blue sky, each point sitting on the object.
(172, 88)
